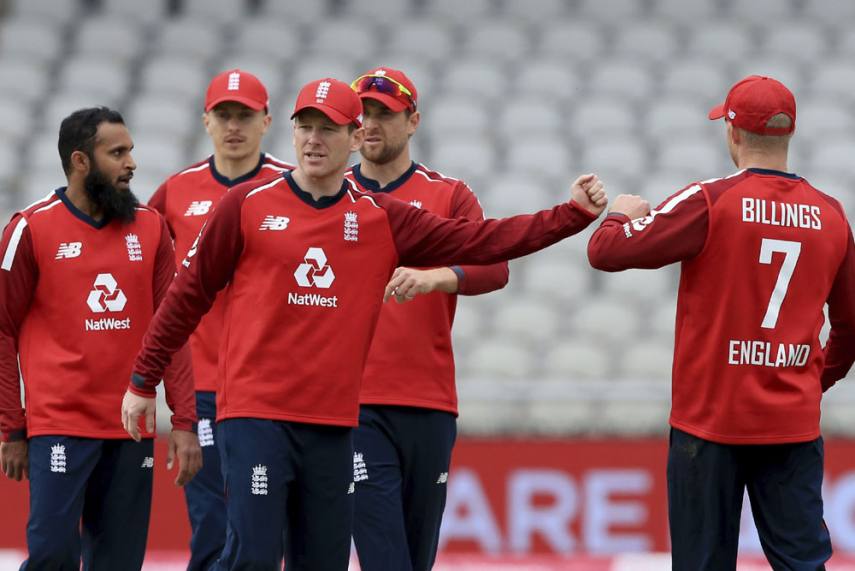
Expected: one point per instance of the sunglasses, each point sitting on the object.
(383, 84)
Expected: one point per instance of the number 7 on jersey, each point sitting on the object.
(791, 251)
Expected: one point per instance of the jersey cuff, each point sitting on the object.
(14, 435)
(142, 384)
(619, 216)
(583, 210)
(183, 424)
(140, 389)
(461, 276)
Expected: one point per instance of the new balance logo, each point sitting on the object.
(360, 472)
(314, 271)
(106, 296)
(416, 203)
(351, 488)
(234, 81)
(57, 458)
(258, 485)
(148, 462)
(274, 223)
(68, 250)
(443, 478)
(206, 433)
(199, 208)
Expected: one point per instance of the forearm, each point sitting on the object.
(423, 239)
(176, 318)
(476, 280)
(180, 390)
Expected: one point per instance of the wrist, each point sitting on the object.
(446, 280)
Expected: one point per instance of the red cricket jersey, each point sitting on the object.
(762, 252)
(304, 283)
(411, 361)
(78, 297)
(185, 200)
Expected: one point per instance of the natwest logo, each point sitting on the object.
(108, 324)
(106, 296)
(314, 271)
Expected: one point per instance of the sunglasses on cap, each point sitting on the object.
(383, 84)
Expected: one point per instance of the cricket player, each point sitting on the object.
(761, 251)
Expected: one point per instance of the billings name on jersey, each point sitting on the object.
(760, 211)
(765, 353)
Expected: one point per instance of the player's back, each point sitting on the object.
(747, 359)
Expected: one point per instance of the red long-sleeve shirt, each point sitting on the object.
(186, 200)
(411, 360)
(304, 281)
(77, 296)
(762, 252)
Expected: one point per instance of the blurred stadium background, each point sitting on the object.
(517, 97)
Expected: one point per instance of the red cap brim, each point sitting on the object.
(394, 104)
(717, 112)
(335, 116)
(251, 103)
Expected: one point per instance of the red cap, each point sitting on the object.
(333, 98)
(236, 85)
(396, 102)
(753, 101)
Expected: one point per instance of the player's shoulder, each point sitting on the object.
(715, 188)
(365, 198)
(203, 166)
(835, 204)
(145, 212)
(437, 178)
(189, 176)
(40, 206)
(720, 184)
(274, 164)
(148, 220)
(255, 187)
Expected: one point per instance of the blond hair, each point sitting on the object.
(770, 142)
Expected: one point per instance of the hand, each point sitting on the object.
(14, 460)
(631, 205)
(589, 192)
(133, 407)
(185, 445)
(406, 283)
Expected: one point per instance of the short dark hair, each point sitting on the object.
(77, 131)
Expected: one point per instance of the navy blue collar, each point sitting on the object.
(230, 182)
(60, 192)
(322, 202)
(374, 186)
(774, 173)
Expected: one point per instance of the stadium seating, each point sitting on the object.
(517, 98)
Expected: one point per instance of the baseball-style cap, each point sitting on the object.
(333, 98)
(391, 87)
(237, 85)
(750, 104)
